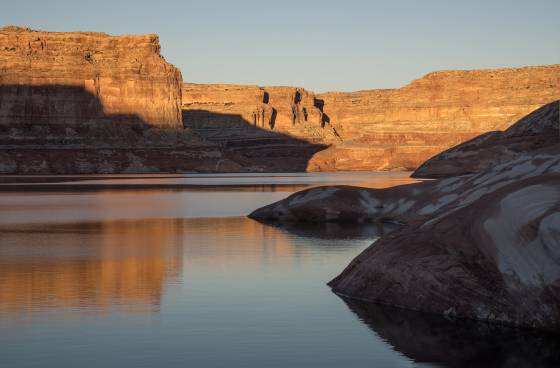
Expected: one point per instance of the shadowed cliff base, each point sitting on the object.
(256, 147)
(59, 129)
(63, 129)
(427, 338)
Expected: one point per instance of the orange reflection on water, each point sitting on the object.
(126, 264)
(94, 265)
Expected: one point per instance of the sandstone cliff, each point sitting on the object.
(401, 128)
(375, 129)
(85, 91)
(238, 112)
(79, 77)
(268, 128)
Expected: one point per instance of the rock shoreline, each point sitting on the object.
(482, 246)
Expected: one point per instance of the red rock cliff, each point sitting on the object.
(228, 111)
(78, 77)
(376, 129)
(385, 129)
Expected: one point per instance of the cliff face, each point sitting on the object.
(385, 129)
(375, 129)
(236, 112)
(267, 128)
(78, 90)
(77, 77)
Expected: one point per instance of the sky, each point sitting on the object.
(342, 45)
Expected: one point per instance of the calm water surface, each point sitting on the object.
(166, 271)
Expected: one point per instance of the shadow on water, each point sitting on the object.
(332, 230)
(427, 338)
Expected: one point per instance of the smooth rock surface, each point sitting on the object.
(404, 203)
(496, 259)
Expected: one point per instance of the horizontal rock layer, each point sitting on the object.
(84, 77)
(403, 127)
(375, 129)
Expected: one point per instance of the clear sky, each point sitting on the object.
(321, 45)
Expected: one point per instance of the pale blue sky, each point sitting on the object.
(320, 45)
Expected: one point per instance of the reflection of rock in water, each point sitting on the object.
(428, 338)
(89, 265)
(331, 230)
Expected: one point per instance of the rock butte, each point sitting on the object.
(482, 246)
(79, 77)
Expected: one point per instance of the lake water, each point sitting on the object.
(166, 271)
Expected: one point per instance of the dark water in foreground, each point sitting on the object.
(116, 274)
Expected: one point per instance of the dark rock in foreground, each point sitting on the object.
(483, 246)
(404, 203)
(496, 259)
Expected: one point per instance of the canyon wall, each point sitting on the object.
(228, 112)
(79, 77)
(267, 128)
(375, 129)
(401, 128)
(80, 102)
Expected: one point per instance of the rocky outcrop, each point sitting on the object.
(401, 128)
(402, 204)
(538, 130)
(482, 246)
(83, 77)
(496, 259)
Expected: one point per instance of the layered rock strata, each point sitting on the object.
(401, 128)
(375, 129)
(225, 112)
(81, 102)
(80, 77)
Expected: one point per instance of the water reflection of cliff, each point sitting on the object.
(427, 338)
(125, 264)
(94, 265)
